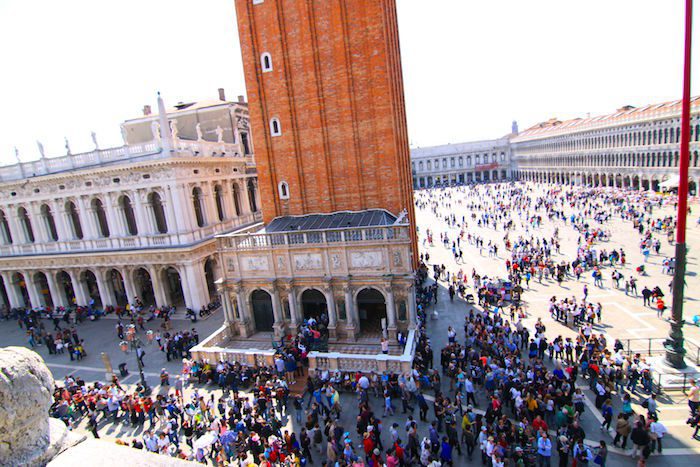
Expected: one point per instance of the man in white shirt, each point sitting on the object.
(657, 431)
(694, 396)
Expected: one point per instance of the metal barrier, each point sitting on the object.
(655, 346)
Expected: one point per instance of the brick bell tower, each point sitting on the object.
(325, 94)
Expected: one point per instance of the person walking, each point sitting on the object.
(657, 431)
(640, 438)
(544, 449)
(694, 397)
(622, 430)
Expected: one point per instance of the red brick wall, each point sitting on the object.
(337, 88)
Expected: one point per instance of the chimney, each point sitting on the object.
(222, 95)
(146, 110)
(241, 100)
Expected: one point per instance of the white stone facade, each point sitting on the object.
(335, 266)
(137, 220)
(476, 161)
(635, 148)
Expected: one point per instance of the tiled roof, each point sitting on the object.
(623, 114)
(336, 220)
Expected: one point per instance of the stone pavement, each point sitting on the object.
(624, 317)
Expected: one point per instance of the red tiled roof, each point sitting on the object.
(554, 125)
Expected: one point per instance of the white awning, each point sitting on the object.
(671, 182)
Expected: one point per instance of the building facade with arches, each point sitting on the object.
(139, 220)
(636, 148)
(452, 164)
(360, 277)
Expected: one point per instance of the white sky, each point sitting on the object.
(70, 67)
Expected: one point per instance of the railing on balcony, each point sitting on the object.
(45, 166)
(247, 241)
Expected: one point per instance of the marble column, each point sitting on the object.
(390, 312)
(41, 234)
(183, 206)
(63, 226)
(174, 222)
(211, 215)
(278, 326)
(229, 208)
(332, 311)
(129, 286)
(158, 289)
(244, 318)
(115, 216)
(82, 298)
(293, 308)
(16, 230)
(13, 293)
(34, 296)
(412, 316)
(351, 326)
(142, 224)
(243, 192)
(58, 296)
(106, 292)
(88, 219)
(197, 285)
(226, 304)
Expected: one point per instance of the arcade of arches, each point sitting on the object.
(158, 285)
(635, 181)
(350, 309)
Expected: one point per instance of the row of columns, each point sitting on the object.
(596, 179)
(192, 279)
(237, 310)
(176, 199)
(494, 175)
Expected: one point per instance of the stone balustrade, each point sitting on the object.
(262, 241)
(213, 349)
(127, 153)
(135, 242)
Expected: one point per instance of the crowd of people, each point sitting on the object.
(500, 392)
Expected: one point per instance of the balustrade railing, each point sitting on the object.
(45, 166)
(115, 243)
(253, 241)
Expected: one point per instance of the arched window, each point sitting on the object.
(26, 224)
(128, 213)
(266, 62)
(198, 206)
(430, 165)
(275, 127)
(101, 217)
(283, 190)
(5, 233)
(219, 199)
(47, 217)
(236, 198)
(158, 211)
(74, 218)
(420, 166)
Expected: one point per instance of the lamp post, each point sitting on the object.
(675, 350)
(133, 342)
